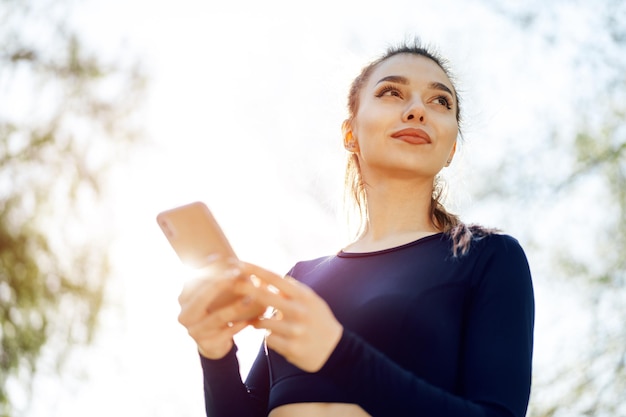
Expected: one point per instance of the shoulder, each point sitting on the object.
(500, 264)
(467, 239)
(488, 250)
(305, 266)
(499, 244)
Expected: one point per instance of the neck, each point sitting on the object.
(398, 210)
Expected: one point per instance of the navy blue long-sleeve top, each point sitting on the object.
(425, 334)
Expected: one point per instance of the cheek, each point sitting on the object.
(449, 130)
(370, 124)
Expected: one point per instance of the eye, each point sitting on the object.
(444, 101)
(389, 91)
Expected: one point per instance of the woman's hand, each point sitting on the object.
(211, 318)
(303, 328)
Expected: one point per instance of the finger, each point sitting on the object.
(234, 312)
(207, 290)
(211, 328)
(280, 344)
(189, 289)
(232, 328)
(287, 285)
(194, 305)
(276, 342)
(200, 286)
(265, 296)
(208, 336)
(210, 274)
(282, 328)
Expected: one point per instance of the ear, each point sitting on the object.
(452, 152)
(349, 141)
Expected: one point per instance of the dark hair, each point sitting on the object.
(354, 186)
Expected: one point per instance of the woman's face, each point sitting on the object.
(406, 124)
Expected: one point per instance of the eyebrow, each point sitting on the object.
(398, 79)
(440, 86)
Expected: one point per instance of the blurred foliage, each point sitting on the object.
(571, 162)
(66, 115)
(598, 379)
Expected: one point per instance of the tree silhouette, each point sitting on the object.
(66, 115)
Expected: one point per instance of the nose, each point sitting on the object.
(414, 110)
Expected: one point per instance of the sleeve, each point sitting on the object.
(495, 374)
(225, 395)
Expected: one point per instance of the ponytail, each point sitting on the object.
(460, 233)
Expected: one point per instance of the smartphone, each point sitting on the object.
(195, 235)
(199, 242)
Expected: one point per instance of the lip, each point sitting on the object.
(413, 136)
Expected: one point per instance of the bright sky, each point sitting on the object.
(244, 109)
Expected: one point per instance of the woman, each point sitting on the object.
(420, 316)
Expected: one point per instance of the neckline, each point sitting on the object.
(423, 239)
